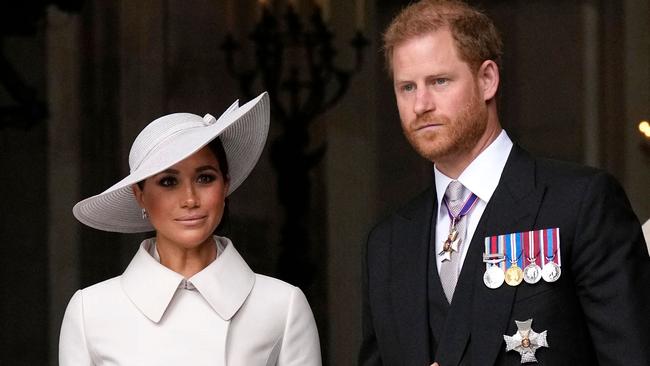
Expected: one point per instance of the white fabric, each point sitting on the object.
(231, 317)
(481, 177)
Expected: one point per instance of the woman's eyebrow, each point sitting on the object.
(207, 167)
(170, 171)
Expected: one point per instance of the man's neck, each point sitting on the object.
(454, 165)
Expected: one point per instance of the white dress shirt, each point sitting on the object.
(223, 315)
(481, 177)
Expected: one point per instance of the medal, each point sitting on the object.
(551, 272)
(493, 277)
(550, 254)
(525, 341)
(514, 275)
(532, 272)
(494, 258)
(530, 256)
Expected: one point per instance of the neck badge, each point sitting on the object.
(525, 341)
(453, 240)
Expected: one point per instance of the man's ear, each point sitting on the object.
(137, 193)
(488, 79)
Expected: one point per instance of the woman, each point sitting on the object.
(187, 297)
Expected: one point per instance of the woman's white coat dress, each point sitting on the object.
(223, 315)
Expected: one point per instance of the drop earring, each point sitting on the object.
(145, 215)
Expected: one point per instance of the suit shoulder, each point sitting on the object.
(556, 172)
(565, 168)
(569, 182)
(405, 211)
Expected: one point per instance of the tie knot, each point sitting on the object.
(454, 194)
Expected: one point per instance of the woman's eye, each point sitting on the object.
(167, 182)
(206, 178)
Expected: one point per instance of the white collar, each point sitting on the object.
(482, 175)
(224, 284)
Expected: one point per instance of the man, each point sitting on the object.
(434, 271)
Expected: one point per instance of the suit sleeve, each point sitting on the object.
(73, 349)
(300, 344)
(369, 352)
(612, 274)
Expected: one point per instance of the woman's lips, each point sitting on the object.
(191, 220)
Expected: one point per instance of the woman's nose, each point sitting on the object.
(190, 199)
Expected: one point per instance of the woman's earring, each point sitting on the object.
(145, 215)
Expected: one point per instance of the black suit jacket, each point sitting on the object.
(597, 313)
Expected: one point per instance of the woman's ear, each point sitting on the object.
(137, 193)
(488, 79)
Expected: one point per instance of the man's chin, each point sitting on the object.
(432, 153)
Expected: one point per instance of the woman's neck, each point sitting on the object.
(186, 261)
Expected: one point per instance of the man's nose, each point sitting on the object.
(423, 101)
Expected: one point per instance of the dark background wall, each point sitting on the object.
(574, 87)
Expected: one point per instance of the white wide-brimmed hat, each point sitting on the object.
(169, 140)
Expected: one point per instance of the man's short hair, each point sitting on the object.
(475, 35)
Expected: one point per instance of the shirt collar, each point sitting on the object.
(224, 284)
(482, 175)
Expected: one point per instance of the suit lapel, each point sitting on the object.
(409, 257)
(513, 208)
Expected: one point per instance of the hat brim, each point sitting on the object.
(243, 133)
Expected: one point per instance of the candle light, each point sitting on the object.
(361, 14)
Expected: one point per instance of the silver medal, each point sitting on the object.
(532, 273)
(494, 277)
(551, 272)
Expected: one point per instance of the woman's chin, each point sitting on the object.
(192, 240)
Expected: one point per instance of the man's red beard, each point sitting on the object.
(452, 137)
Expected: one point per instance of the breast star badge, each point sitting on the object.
(525, 341)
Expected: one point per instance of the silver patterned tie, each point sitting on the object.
(455, 196)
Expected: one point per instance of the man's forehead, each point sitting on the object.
(431, 49)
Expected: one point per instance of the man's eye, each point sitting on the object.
(408, 87)
(441, 81)
(167, 182)
(206, 178)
